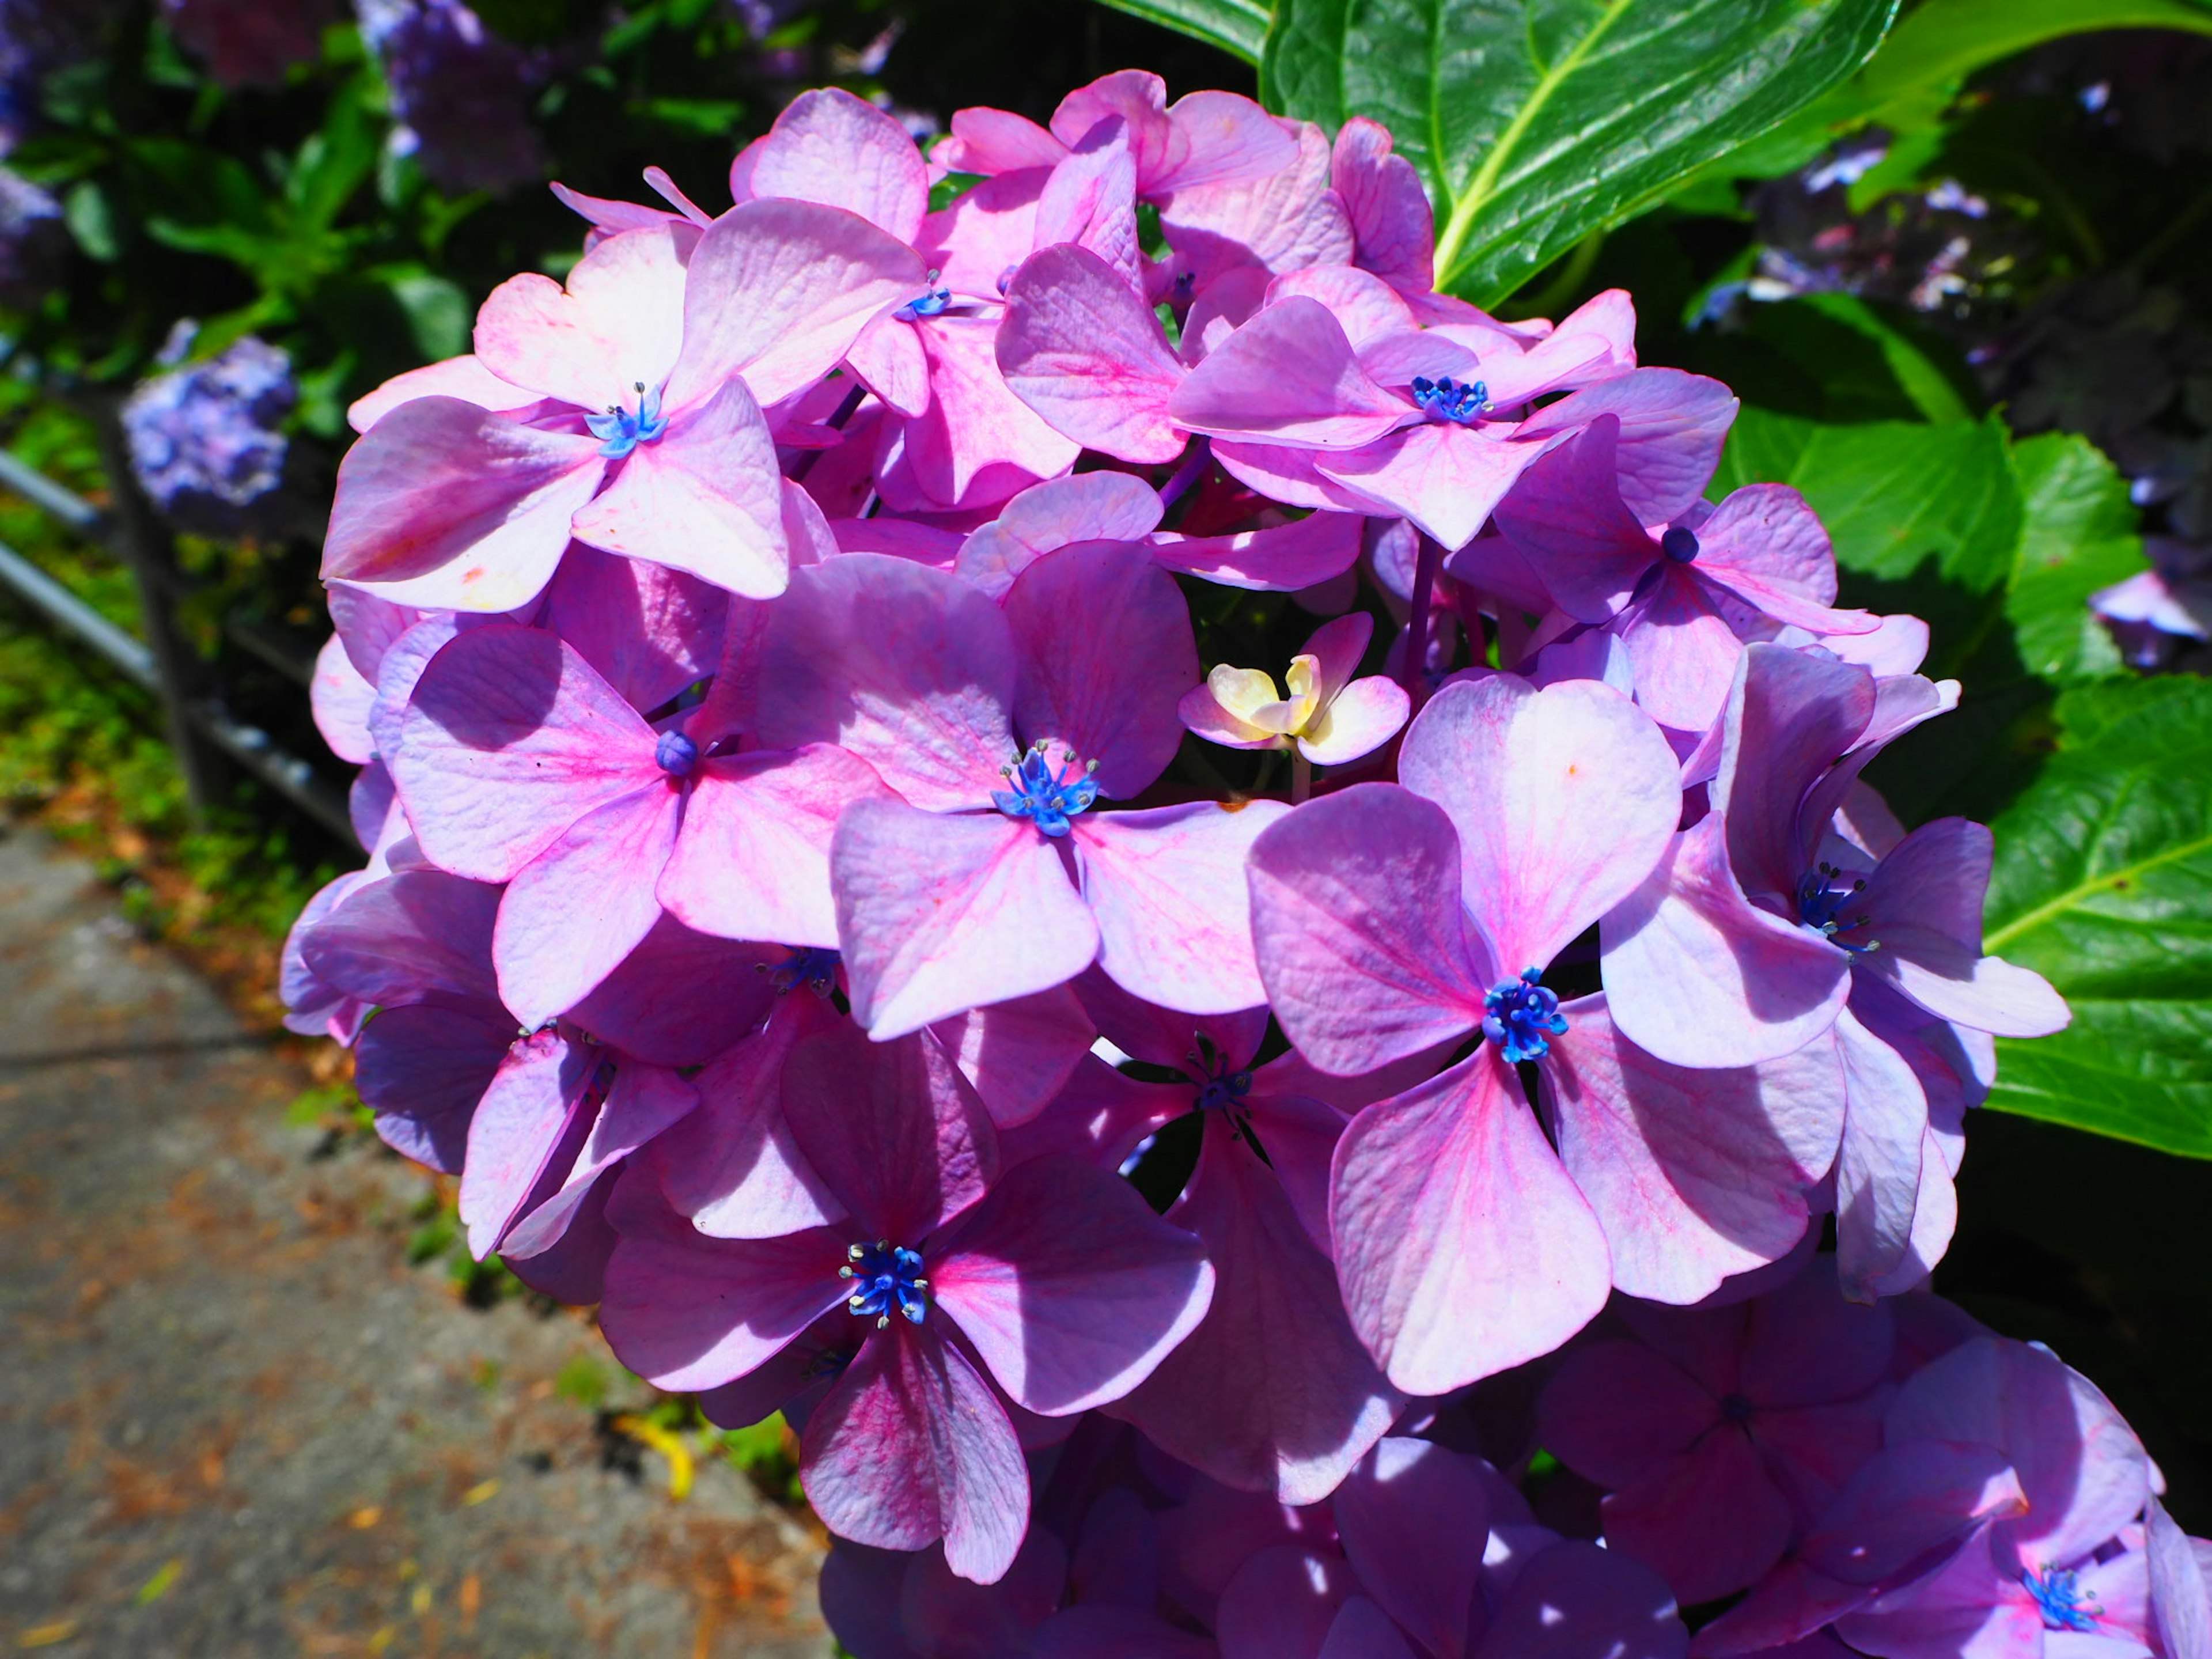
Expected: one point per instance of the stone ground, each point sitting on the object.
(233, 1421)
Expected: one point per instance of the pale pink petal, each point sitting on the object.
(1566, 515)
(1090, 199)
(647, 630)
(891, 1128)
(1672, 427)
(1359, 720)
(424, 1069)
(1082, 348)
(1694, 1176)
(465, 377)
(517, 1126)
(340, 700)
(617, 325)
(1564, 800)
(1359, 928)
(1879, 1167)
(1018, 1054)
(1682, 651)
(685, 1312)
(1289, 376)
(1272, 1392)
(974, 423)
(888, 357)
(1071, 1289)
(1909, 1501)
(1285, 219)
(510, 739)
(989, 141)
(1106, 688)
(1390, 216)
(1964, 1609)
(1086, 507)
(778, 292)
(1281, 558)
(1173, 915)
(681, 998)
(1462, 1247)
(732, 1166)
(926, 705)
(912, 1446)
(830, 147)
(2180, 1587)
(938, 914)
(1698, 976)
(1445, 479)
(706, 498)
(447, 505)
(573, 912)
(753, 859)
(2084, 1472)
(641, 1104)
(977, 240)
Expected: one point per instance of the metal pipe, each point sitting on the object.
(65, 610)
(64, 503)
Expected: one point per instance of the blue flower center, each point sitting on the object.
(2059, 1598)
(1219, 1089)
(1050, 800)
(1679, 543)
(1521, 1017)
(885, 1276)
(810, 966)
(620, 431)
(1735, 1408)
(930, 302)
(1821, 896)
(1460, 402)
(676, 754)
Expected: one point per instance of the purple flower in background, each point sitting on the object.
(206, 441)
(250, 43)
(36, 38)
(457, 93)
(32, 240)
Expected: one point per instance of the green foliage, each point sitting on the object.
(1535, 123)
(768, 1452)
(2103, 885)
(1237, 27)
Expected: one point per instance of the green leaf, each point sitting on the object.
(2103, 885)
(438, 313)
(1535, 122)
(2078, 536)
(1238, 27)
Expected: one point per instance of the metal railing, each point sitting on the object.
(208, 737)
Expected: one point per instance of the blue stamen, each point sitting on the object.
(1219, 1089)
(885, 1276)
(930, 302)
(1522, 1017)
(2059, 1598)
(1821, 895)
(810, 966)
(620, 431)
(1460, 402)
(1048, 798)
(676, 754)
(1680, 544)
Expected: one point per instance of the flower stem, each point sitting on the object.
(1192, 469)
(843, 413)
(1301, 777)
(1414, 669)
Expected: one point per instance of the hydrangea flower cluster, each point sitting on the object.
(459, 93)
(207, 441)
(246, 42)
(769, 654)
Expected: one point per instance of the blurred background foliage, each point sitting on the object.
(1964, 290)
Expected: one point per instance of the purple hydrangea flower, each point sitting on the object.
(207, 442)
(457, 93)
(250, 43)
(32, 240)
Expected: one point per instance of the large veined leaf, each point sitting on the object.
(1237, 27)
(2103, 885)
(2078, 535)
(1535, 122)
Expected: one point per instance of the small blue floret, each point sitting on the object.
(1462, 402)
(676, 754)
(1221, 1089)
(1048, 798)
(1821, 896)
(1680, 544)
(885, 1276)
(930, 302)
(620, 431)
(2059, 1598)
(811, 965)
(1521, 1017)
